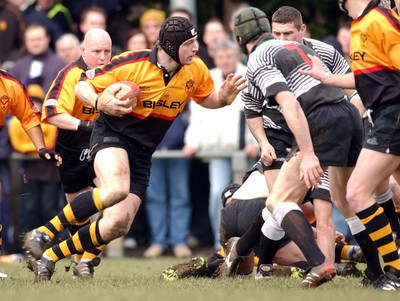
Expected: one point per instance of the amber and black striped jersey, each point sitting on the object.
(61, 99)
(375, 54)
(163, 97)
(14, 100)
(272, 68)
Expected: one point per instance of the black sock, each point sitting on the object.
(251, 237)
(338, 252)
(371, 254)
(268, 249)
(298, 229)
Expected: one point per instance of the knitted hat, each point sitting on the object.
(228, 192)
(152, 14)
(249, 24)
(174, 32)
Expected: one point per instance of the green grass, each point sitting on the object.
(139, 279)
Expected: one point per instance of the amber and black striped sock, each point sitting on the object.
(79, 209)
(87, 238)
(380, 232)
(385, 201)
(72, 230)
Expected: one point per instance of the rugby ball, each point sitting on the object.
(127, 90)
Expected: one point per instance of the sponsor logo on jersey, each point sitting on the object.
(4, 102)
(189, 86)
(163, 103)
(364, 40)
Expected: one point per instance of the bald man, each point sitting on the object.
(75, 121)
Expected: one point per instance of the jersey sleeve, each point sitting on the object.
(22, 107)
(206, 83)
(61, 97)
(391, 40)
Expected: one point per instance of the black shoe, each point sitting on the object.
(390, 281)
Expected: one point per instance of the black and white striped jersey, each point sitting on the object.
(273, 67)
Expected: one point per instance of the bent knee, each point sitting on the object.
(120, 227)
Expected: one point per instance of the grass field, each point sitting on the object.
(140, 279)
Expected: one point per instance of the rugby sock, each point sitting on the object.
(339, 251)
(268, 248)
(385, 201)
(79, 209)
(380, 231)
(72, 230)
(87, 238)
(250, 237)
(366, 244)
(298, 229)
(343, 252)
(300, 264)
(93, 253)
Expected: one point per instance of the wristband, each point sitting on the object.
(354, 96)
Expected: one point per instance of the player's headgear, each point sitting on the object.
(249, 24)
(342, 4)
(175, 31)
(228, 192)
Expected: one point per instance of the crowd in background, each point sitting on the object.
(39, 38)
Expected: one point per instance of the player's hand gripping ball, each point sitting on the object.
(123, 90)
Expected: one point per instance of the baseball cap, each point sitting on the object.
(228, 192)
(174, 32)
(249, 23)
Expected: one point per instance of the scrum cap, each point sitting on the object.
(249, 24)
(174, 32)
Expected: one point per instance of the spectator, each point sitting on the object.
(13, 26)
(33, 16)
(95, 17)
(168, 201)
(217, 130)
(150, 23)
(214, 33)
(16, 102)
(68, 47)
(341, 42)
(181, 12)
(40, 62)
(54, 10)
(92, 17)
(41, 190)
(136, 39)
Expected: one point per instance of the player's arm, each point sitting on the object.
(344, 81)
(105, 102)
(226, 94)
(256, 127)
(311, 170)
(67, 122)
(36, 136)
